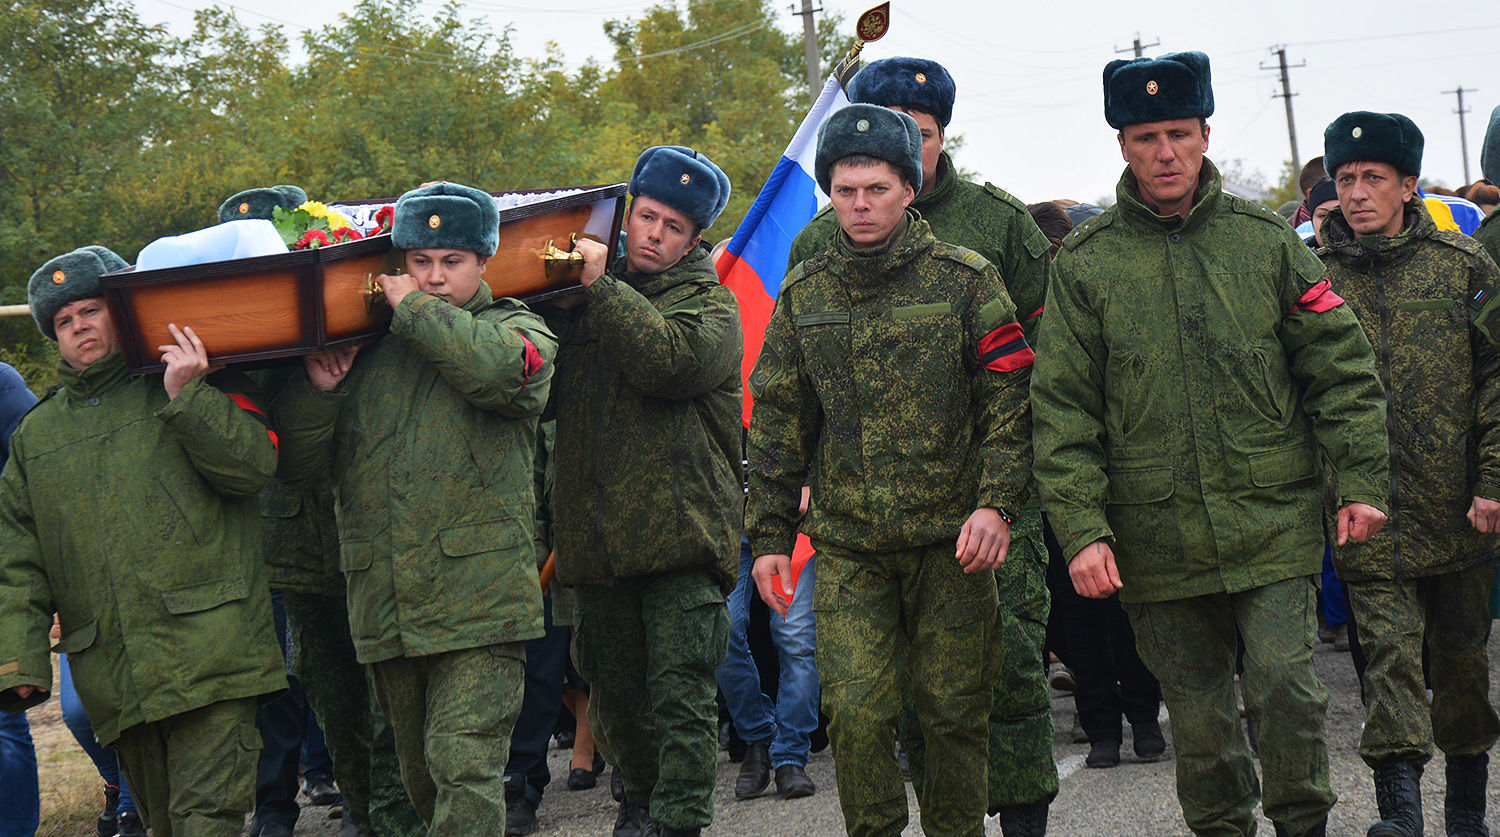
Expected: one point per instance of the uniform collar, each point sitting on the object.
(947, 184)
(1205, 200)
(695, 265)
(1369, 251)
(875, 268)
(105, 374)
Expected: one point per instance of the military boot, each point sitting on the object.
(632, 822)
(1319, 830)
(106, 823)
(1463, 807)
(1025, 820)
(1398, 795)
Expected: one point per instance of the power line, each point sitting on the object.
(1139, 48)
(1463, 133)
(1287, 94)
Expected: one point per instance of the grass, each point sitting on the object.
(72, 792)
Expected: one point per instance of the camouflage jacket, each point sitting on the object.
(985, 219)
(132, 517)
(300, 534)
(431, 442)
(1189, 369)
(648, 405)
(1488, 234)
(1442, 387)
(893, 384)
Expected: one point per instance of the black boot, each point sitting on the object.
(1398, 795)
(1025, 820)
(755, 771)
(1463, 807)
(1319, 830)
(106, 824)
(632, 822)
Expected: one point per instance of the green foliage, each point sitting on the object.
(113, 132)
(1285, 187)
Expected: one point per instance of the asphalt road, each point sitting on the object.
(1132, 799)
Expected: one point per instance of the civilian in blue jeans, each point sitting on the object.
(777, 735)
(119, 815)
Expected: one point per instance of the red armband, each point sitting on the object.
(1319, 298)
(1005, 349)
(260, 415)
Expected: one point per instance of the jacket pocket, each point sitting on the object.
(355, 556)
(1280, 467)
(204, 595)
(1140, 485)
(488, 536)
(280, 502)
(78, 639)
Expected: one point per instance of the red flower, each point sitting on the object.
(343, 234)
(384, 218)
(312, 239)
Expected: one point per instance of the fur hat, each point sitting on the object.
(1373, 137)
(1489, 153)
(873, 130)
(914, 83)
(260, 203)
(69, 278)
(1174, 86)
(447, 216)
(683, 179)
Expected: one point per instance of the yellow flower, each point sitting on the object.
(318, 209)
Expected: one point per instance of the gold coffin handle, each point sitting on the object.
(555, 261)
(370, 290)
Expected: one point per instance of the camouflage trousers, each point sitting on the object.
(648, 647)
(876, 612)
(1189, 644)
(1022, 768)
(451, 715)
(1449, 614)
(193, 775)
(358, 735)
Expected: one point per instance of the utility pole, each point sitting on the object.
(810, 44)
(1138, 47)
(1287, 94)
(1463, 134)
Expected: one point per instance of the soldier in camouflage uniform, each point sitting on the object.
(893, 382)
(1488, 233)
(429, 435)
(1425, 579)
(647, 503)
(992, 223)
(1192, 363)
(127, 508)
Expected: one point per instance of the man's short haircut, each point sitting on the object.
(1054, 222)
(864, 161)
(1312, 172)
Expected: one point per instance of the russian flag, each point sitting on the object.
(754, 263)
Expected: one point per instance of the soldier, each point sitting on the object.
(893, 382)
(429, 435)
(1193, 362)
(1488, 233)
(1425, 579)
(127, 508)
(647, 508)
(989, 221)
(301, 547)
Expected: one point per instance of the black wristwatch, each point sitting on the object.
(1004, 515)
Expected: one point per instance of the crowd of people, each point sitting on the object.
(1136, 439)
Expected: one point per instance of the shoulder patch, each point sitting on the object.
(804, 269)
(1255, 210)
(1004, 196)
(963, 255)
(1082, 232)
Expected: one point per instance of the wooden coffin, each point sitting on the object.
(264, 309)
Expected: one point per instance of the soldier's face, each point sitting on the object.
(1318, 217)
(1373, 196)
(85, 332)
(932, 145)
(1166, 158)
(657, 236)
(869, 200)
(452, 275)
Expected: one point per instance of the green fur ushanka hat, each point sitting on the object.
(260, 203)
(913, 83)
(1373, 138)
(68, 278)
(873, 130)
(1174, 86)
(683, 179)
(447, 216)
(1489, 154)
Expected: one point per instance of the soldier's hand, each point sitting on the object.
(327, 369)
(396, 287)
(767, 568)
(26, 690)
(1485, 515)
(595, 255)
(983, 541)
(1359, 521)
(186, 359)
(1093, 571)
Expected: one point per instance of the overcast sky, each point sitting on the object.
(1030, 106)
